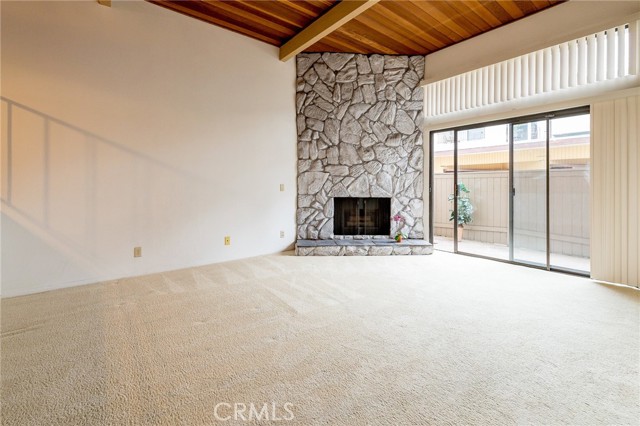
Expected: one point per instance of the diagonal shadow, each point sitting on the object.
(35, 162)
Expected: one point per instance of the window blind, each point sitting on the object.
(584, 61)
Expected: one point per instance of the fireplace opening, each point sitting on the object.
(362, 216)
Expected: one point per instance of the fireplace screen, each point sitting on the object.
(362, 216)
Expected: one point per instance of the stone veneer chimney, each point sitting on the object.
(359, 121)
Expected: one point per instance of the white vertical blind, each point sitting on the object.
(539, 71)
(622, 51)
(504, 81)
(573, 64)
(548, 67)
(491, 88)
(582, 61)
(615, 227)
(510, 79)
(560, 66)
(591, 59)
(587, 60)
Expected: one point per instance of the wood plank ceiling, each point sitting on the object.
(394, 27)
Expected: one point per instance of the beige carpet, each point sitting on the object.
(442, 340)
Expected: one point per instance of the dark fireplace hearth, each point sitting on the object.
(362, 216)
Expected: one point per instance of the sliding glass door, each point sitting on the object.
(516, 190)
(483, 191)
(529, 193)
(569, 192)
(442, 167)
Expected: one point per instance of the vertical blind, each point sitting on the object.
(615, 227)
(587, 60)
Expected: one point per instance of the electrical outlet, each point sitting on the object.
(137, 252)
(227, 241)
(281, 234)
(282, 187)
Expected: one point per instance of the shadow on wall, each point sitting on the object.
(74, 204)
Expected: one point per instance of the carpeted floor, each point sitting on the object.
(441, 339)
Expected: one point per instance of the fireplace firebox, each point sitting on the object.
(362, 216)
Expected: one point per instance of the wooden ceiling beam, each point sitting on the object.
(335, 17)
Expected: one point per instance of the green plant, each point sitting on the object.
(465, 208)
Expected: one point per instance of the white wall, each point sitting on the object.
(137, 126)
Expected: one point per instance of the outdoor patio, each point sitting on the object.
(501, 251)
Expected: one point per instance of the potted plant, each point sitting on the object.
(399, 220)
(465, 208)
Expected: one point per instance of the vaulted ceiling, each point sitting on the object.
(395, 27)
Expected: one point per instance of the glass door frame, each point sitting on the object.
(547, 117)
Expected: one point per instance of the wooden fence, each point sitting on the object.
(489, 194)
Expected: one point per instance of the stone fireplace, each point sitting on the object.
(359, 122)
